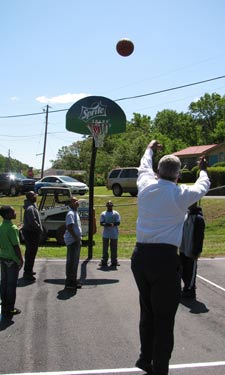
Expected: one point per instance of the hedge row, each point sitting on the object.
(216, 175)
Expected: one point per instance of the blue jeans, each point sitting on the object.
(72, 262)
(9, 277)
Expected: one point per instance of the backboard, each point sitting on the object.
(96, 111)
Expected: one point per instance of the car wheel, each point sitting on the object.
(133, 194)
(60, 235)
(13, 191)
(39, 191)
(117, 190)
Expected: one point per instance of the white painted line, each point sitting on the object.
(195, 365)
(211, 283)
(122, 370)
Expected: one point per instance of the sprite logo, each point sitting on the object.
(97, 110)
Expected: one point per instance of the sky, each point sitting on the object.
(54, 52)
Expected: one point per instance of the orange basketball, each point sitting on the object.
(125, 47)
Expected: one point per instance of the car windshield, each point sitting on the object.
(68, 179)
(17, 175)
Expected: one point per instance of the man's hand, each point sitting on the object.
(155, 145)
(202, 163)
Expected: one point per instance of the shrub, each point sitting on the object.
(217, 176)
(99, 180)
(219, 164)
(187, 176)
(79, 177)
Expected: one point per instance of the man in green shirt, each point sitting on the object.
(11, 260)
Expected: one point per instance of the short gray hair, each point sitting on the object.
(169, 167)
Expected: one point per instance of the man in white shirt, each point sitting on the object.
(162, 205)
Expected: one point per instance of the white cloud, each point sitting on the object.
(14, 98)
(61, 99)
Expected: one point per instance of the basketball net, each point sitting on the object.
(99, 130)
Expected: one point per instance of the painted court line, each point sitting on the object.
(211, 283)
(122, 370)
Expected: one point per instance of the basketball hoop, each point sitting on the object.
(99, 129)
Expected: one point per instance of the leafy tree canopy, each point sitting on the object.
(204, 123)
(7, 164)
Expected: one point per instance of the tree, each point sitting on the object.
(178, 126)
(11, 165)
(203, 124)
(207, 112)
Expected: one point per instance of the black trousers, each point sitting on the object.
(9, 277)
(189, 272)
(31, 247)
(113, 243)
(157, 274)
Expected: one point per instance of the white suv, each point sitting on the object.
(123, 180)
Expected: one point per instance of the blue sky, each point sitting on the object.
(56, 51)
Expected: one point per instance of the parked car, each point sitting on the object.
(75, 186)
(123, 180)
(14, 183)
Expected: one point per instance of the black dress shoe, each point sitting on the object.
(79, 284)
(143, 365)
(103, 264)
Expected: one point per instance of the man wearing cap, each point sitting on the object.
(32, 229)
(110, 220)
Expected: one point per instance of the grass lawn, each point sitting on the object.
(213, 209)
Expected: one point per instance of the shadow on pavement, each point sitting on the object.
(83, 278)
(84, 282)
(196, 307)
(66, 294)
(22, 282)
(5, 322)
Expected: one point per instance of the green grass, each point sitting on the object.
(213, 209)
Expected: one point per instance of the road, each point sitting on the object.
(96, 330)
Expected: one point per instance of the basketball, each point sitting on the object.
(125, 47)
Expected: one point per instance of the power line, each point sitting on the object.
(33, 114)
(128, 97)
(29, 136)
(166, 90)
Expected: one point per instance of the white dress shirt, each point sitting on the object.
(162, 204)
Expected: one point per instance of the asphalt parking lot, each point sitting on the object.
(95, 331)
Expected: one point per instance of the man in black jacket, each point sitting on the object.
(32, 229)
(191, 248)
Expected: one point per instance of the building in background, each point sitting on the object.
(189, 156)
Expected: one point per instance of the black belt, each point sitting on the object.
(156, 245)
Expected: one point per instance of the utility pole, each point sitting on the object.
(45, 140)
(8, 163)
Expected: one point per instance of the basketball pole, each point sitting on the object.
(91, 200)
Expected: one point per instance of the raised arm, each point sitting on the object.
(145, 171)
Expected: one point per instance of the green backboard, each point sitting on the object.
(95, 112)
